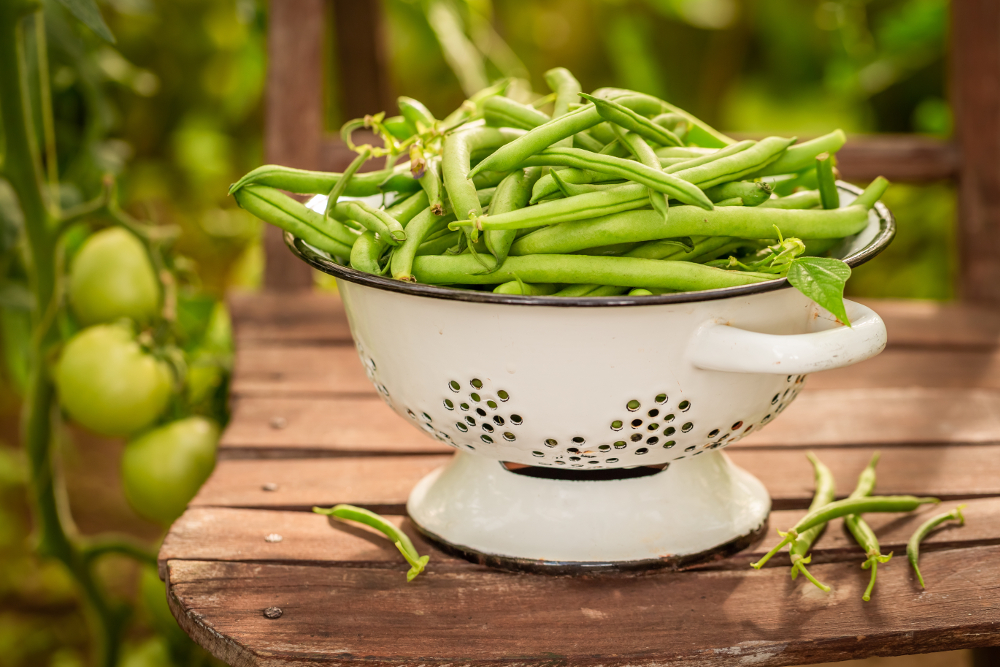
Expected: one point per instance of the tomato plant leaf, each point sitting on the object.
(88, 14)
(822, 279)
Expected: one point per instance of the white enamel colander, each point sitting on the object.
(589, 430)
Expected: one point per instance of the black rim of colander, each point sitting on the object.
(887, 229)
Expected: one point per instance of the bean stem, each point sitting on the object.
(395, 535)
(913, 545)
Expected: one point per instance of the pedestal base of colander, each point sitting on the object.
(694, 510)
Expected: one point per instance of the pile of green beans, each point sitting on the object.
(595, 194)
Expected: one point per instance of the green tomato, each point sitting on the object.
(109, 384)
(153, 652)
(111, 278)
(164, 468)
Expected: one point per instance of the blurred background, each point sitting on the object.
(174, 109)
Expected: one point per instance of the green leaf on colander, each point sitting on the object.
(822, 279)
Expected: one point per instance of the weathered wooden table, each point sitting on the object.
(308, 429)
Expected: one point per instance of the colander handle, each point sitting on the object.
(720, 347)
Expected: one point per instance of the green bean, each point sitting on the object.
(616, 114)
(488, 179)
(708, 158)
(456, 156)
(799, 200)
(824, 495)
(872, 193)
(653, 178)
(693, 152)
(399, 127)
(396, 536)
(640, 291)
(615, 200)
(609, 290)
(602, 132)
(279, 209)
(674, 122)
(567, 90)
(828, 194)
(419, 229)
(505, 112)
(752, 193)
(645, 225)
(431, 183)
(516, 152)
(700, 133)
(439, 245)
(913, 546)
(615, 271)
(366, 253)
(337, 191)
(407, 207)
(841, 508)
(378, 221)
(859, 528)
(512, 194)
(581, 289)
(802, 156)
(415, 113)
(533, 289)
(645, 155)
(574, 189)
(300, 181)
(734, 167)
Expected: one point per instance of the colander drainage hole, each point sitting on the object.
(584, 475)
(578, 440)
(636, 437)
(454, 386)
(477, 384)
(516, 420)
(474, 396)
(633, 405)
(492, 405)
(498, 420)
(737, 425)
(616, 425)
(713, 433)
(481, 412)
(653, 412)
(636, 423)
(652, 427)
(448, 404)
(551, 442)
(487, 439)
(621, 444)
(488, 428)
(470, 421)
(661, 398)
(509, 436)
(684, 405)
(670, 430)
(461, 427)
(502, 395)
(464, 406)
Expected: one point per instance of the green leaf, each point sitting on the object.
(822, 279)
(88, 14)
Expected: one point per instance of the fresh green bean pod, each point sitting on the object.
(610, 290)
(431, 183)
(799, 200)
(533, 289)
(622, 116)
(567, 90)
(735, 167)
(644, 154)
(456, 157)
(913, 545)
(602, 132)
(515, 153)
(622, 198)
(406, 208)
(512, 194)
(826, 493)
(505, 112)
(752, 193)
(861, 531)
(802, 156)
(640, 291)
(693, 152)
(574, 189)
(872, 193)
(303, 182)
(616, 271)
(439, 245)
(387, 227)
(844, 507)
(645, 225)
(674, 122)
(707, 158)
(341, 185)
(399, 127)
(277, 208)
(415, 113)
(654, 178)
(700, 132)
(395, 535)
(366, 253)
(828, 194)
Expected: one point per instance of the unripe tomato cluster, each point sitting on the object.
(110, 382)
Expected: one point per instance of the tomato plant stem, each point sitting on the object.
(21, 167)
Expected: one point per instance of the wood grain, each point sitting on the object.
(383, 483)
(261, 319)
(461, 613)
(903, 157)
(228, 534)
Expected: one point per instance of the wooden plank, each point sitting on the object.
(324, 370)
(318, 317)
(463, 613)
(230, 534)
(293, 121)
(890, 417)
(902, 157)
(284, 427)
(975, 61)
(263, 318)
(384, 482)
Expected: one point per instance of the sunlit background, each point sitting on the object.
(175, 110)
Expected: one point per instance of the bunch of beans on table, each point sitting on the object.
(605, 194)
